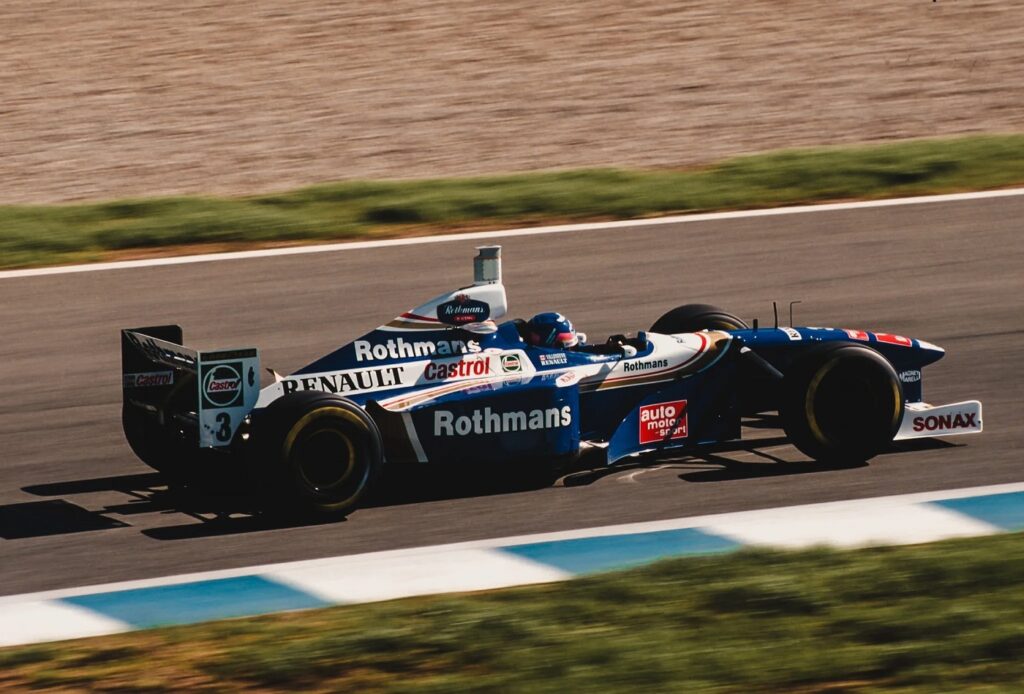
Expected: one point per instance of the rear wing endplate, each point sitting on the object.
(220, 388)
(229, 385)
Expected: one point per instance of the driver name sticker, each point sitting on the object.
(663, 421)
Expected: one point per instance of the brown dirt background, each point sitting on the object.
(107, 98)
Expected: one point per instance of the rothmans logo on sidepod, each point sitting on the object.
(487, 421)
(222, 384)
(462, 310)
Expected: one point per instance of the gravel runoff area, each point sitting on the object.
(114, 98)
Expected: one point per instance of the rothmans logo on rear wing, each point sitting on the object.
(163, 352)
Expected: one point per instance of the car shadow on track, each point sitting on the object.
(51, 517)
(149, 493)
(411, 486)
(713, 465)
(59, 516)
(735, 470)
(211, 513)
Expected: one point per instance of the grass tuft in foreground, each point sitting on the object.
(942, 617)
(34, 235)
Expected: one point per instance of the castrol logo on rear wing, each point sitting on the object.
(222, 385)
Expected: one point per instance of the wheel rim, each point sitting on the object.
(851, 405)
(327, 451)
(325, 459)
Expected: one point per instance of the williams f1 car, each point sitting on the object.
(447, 382)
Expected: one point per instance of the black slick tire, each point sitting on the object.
(841, 403)
(691, 318)
(320, 453)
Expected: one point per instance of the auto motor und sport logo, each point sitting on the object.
(222, 384)
(663, 421)
(462, 310)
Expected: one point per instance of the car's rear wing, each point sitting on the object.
(208, 393)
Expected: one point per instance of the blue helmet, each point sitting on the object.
(551, 330)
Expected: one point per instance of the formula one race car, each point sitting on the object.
(447, 383)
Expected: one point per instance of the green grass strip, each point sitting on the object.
(38, 235)
(942, 617)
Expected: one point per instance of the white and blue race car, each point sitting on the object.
(447, 382)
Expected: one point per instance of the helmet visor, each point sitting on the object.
(565, 339)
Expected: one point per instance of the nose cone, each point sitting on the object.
(930, 353)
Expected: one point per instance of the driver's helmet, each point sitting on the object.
(551, 330)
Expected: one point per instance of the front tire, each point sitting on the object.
(841, 403)
(322, 453)
(691, 318)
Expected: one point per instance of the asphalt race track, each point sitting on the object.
(76, 508)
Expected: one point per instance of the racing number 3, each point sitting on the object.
(224, 433)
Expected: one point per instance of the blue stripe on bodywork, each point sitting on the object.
(592, 554)
(1002, 510)
(186, 603)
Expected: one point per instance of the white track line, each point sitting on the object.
(36, 621)
(733, 521)
(851, 526)
(487, 235)
(371, 578)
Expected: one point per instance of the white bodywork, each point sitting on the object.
(921, 421)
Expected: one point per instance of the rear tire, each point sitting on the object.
(841, 403)
(321, 453)
(691, 318)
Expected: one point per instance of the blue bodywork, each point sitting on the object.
(451, 381)
(567, 393)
